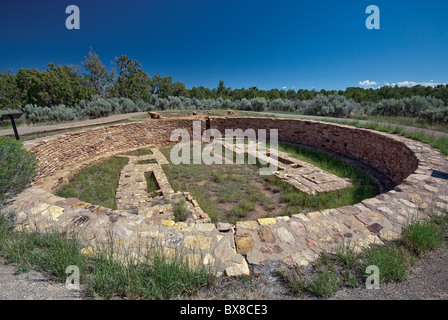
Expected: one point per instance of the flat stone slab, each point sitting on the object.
(300, 174)
(132, 191)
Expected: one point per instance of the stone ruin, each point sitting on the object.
(413, 167)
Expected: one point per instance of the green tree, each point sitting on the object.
(132, 82)
(162, 86)
(97, 75)
(200, 93)
(54, 86)
(63, 85)
(10, 94)
(291, 95)
(28, 82)
(222, 90)
(179, 89)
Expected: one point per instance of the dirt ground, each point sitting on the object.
(33, 285)
(190, 115)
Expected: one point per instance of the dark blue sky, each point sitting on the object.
(268, 44)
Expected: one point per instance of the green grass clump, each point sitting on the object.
(139, 152)
(151, 276)
(331, 272)
(347, 258)
(324, 284)
(422, 236)
(17, 167)
(393, 261)
(40, 251)
(180, 210)
(61, 253)
(217, 177)
(171, 278)
(294, 278)
(96, 184)
(152, 185)
(345, 268)
(149, 161)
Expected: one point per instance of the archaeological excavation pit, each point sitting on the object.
(413, 191)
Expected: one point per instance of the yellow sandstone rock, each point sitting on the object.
(53, 212)
(87, 251)
(168, 223)
(267, 221)
(198, 242)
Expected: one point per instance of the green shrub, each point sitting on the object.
(128, 106)
(435, 115)
(61, 253)
(63, 113)
(281, 105)
(428, 108)
(420, 237)
(325, 284)
(154, 277)
(332, 106)
(392, 261)
(34, 113)
(17, 167)
(180, 210)
(98, 108)
(258, 104)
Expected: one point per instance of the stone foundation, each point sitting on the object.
(295, 240)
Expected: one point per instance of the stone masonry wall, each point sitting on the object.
(55, 154)
(388, 156)
(419, 170)
(62, 155)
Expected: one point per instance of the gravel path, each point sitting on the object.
(71, 125)
(121, 117)
(32, 285)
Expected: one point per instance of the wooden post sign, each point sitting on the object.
(12, 116)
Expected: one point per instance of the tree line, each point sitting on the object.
(70, 91)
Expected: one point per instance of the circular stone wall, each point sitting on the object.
(297, 240)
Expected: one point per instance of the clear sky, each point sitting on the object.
(269, 44)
